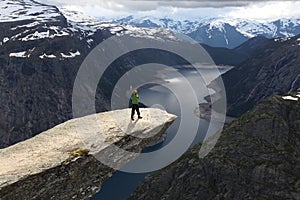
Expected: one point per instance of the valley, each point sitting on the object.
(248, 71)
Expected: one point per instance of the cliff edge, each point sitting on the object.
(61, 163)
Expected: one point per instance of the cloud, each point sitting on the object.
(187, 9)
(271, 10)
(199, 3)
(146, 5)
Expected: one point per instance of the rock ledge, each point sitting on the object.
(60, 163)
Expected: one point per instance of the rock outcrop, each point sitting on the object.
(62, 163)
(256, 157)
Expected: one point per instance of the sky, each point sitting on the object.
(188, 9)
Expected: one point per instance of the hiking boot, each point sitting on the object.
(132, 118)
(140, 117)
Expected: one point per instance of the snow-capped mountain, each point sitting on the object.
(221, 32)
(80, 22)
(27, 20)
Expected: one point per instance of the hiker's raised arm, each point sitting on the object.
(131, 90)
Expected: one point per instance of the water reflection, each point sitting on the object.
(122, 184)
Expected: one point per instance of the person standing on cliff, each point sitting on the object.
(135, 103)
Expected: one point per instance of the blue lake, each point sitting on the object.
(122, 184)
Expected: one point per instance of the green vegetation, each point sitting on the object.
(78, 153)
(75, 154)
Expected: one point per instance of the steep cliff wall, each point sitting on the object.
(256, 157)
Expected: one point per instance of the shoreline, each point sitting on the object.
(204, 111)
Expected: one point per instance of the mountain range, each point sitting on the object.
(42, 48)
(220, 31)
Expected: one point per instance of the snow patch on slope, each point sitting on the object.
(70, 54)
(290, 98)
(47, 56)
(294, 97)
(282, 39)
(21, 54)
(41, 35)
(298, 40)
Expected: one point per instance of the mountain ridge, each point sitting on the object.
(221, 31)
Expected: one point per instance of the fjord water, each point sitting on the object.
(122, 184)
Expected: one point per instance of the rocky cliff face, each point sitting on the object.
(273, 68)
(256, 157)
(63, 162)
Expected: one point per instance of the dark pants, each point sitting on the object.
(135, 107)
